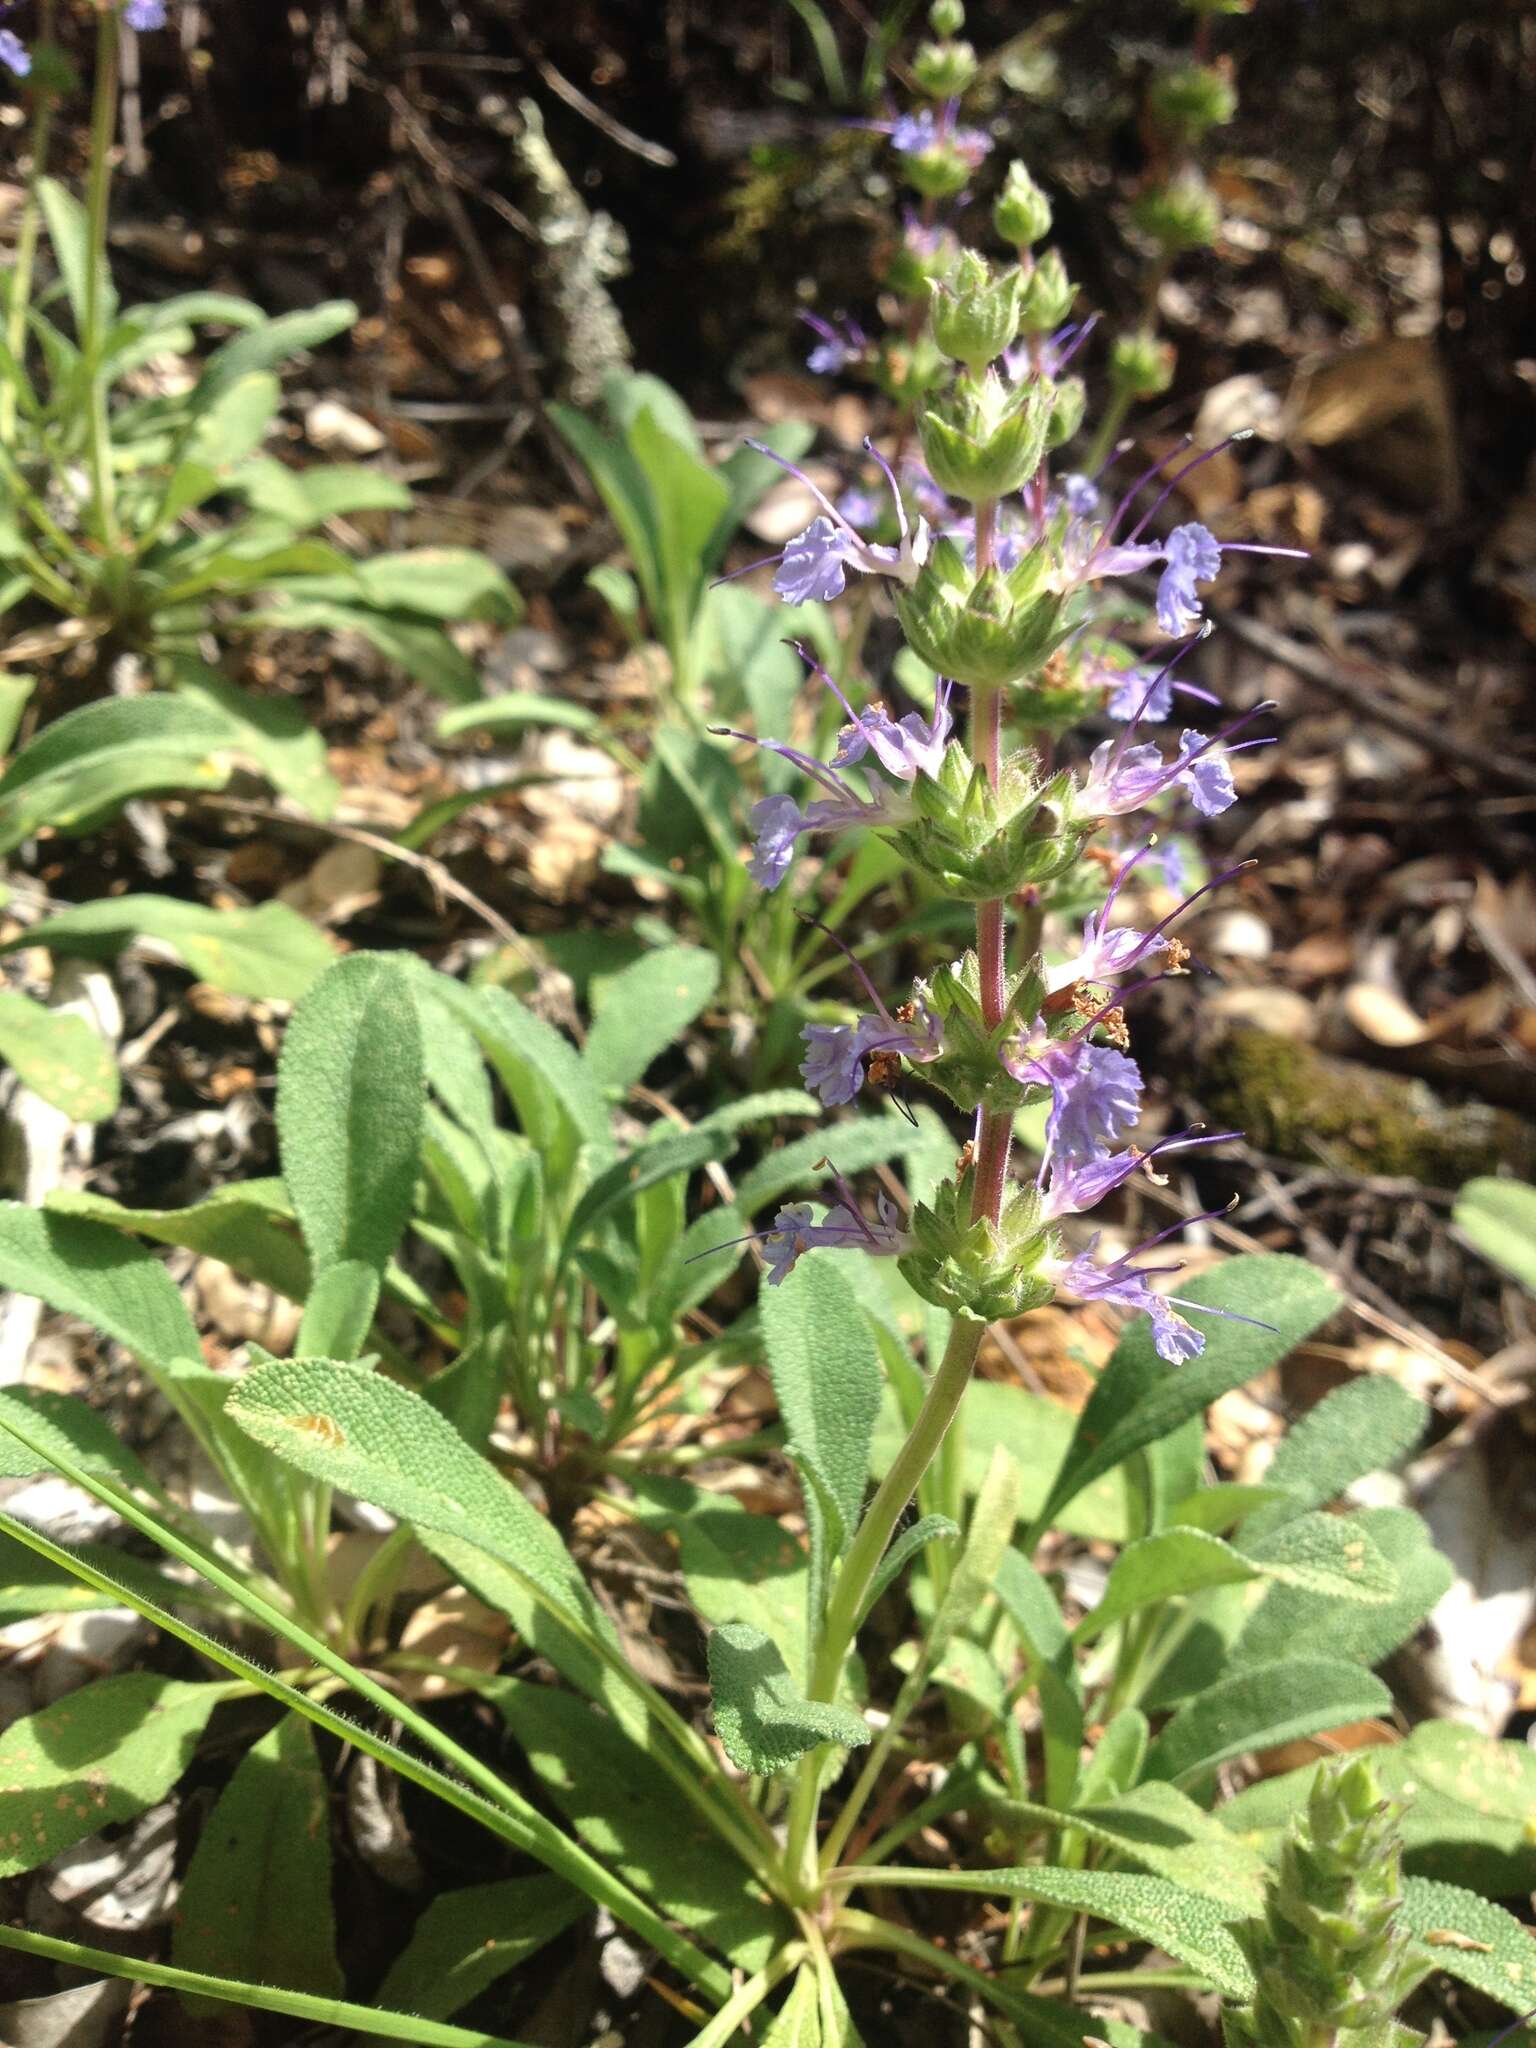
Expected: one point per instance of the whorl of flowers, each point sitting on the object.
(994, 572)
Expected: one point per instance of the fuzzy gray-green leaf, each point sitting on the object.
(1261, 1707)
(762, 1723)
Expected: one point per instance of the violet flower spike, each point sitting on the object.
(1192, 554)
(814, 563)
(14, 54)
(1095, 1093)
(1123, 778)
(144, 16)
(912, 134)
(905, 747)
(778, 820)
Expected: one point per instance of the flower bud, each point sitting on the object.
(1048, 295)
(1180, 215)
(984, 440)
(1191, 98)
(1069, 401)
(977, 842)
(941, 171)
(944, 70)
(1141, 365)
(970, 1069)
(974, 314)
(987, 1270)
(921, 258)
(946, 17)
(981, 630)
(1022, 214)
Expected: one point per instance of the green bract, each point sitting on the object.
(972, 1266)
(974, 313)
(1140, 364)
(1021, 213)
(977, 841)
(1048, 295)
(983, 630)
(944, 70)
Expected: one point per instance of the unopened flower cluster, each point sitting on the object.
(995, 400)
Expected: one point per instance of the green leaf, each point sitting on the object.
(270, 345)
(326, 2012)
(350, 1099)
(449, 584)
(763, 1724)
(737, 1566)
(62, 1425)
(271, 954)
(70, 236)
(623, 490)
(99, 1755)
(465, 1941)
(270, 731)
(515, 711)
(1469, 1938)
(797, 2023)
(987, 1537)
(372, 1438)
(1164, 1831)
(1366, 1426)
(1189, 1927)
(304, 498)
(1139, 1400)
(1331, 1555)
(243, 1225)
(60, 1057)
(1261, 1708)
(826, 1375)
(1164, 1566)
(233, 424)
(256, 1899)
(1467, 1817)
(1118, 1755)
(662, 1159)
(553, 1093)
(85, 1269)
(1222, 1506)
(1031, 1607)
(88, 763)
(915, 1537)
(644, 1009)
(626, 1811)
(1498, 1218)
(1293, 1618)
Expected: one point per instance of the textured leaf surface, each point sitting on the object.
(987, 1537)
(270, 953)
(1165, 1566)
(466, 1940)
(826, 1374)
(1138, 1399)
(60, 1057)
(1293, 1618)
(1332, 1555)
(797, 2023)
(99, 1755)
(65, 1427)
(1258, 1708)
(762, 1722)
(247, 1225)
(645, 1008)
(256, 1899)
(1366, 1426)
(1474, 1940)
(737, 1566)
(387, 1445)
(88, 763)
(1163, 1831)
(350, 1098)
(1190, 1928)
(1031, 1606)
(87, 1270)
(627, 1812)
(800, 1166)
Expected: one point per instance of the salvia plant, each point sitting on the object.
(926, 1752)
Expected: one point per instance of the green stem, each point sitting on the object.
(92, 341)
(27, 235)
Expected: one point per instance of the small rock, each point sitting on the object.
(335, 429)
(1238, 935)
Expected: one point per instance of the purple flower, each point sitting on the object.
(1069, 1186)
(1095, 1092)
(777, 822)
(914, 134)
(860, 507)
(1191, 555)
(143, 16)
(1124, 778)
(843, 1228)
(814, 563)
(1175, 869)
(1108, 951)
(14, 54)
(838, 345)
(1175, 1338)
(835, 1056)
(1048, 355)
(905, 747)
(1080, 495)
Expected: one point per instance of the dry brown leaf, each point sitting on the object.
(1382, 1016)
(343, 881)
(453, 1628)
(1390, 402)
(1321, 956)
